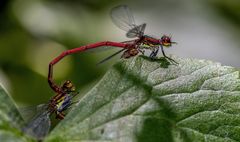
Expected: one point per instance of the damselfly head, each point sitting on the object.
(166, 41)
(68, 86)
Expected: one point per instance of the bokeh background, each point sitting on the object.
(33, 32)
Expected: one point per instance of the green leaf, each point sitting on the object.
(10, 120)
(147, 101)
(138, 100)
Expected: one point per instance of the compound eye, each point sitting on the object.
(165, 38)
(68, 84)
(168, 40)
(68, 81)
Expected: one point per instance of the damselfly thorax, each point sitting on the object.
(139, 46)
(149, 43)
(61, 101)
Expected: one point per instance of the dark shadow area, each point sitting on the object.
(155, 130)
(164, 63)
(131, 75)
(158, 125)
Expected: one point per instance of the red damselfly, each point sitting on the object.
(122, 18)
(39, 126)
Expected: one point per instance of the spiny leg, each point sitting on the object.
(141, 51)
(154, 53)
(170, 59)
(60, 115)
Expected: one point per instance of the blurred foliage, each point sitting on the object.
(24, 41)
(95, 5)
(230, 9)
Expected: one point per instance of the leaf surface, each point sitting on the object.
(138, 100)
(10, 120)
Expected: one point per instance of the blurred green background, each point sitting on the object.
(33, 32)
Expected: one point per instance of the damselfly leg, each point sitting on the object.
(170, 59)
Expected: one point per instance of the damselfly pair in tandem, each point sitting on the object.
(123, 18)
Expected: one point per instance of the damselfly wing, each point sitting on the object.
(123, 18)
(38, 127)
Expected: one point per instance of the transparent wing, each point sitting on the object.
(30, 111)
(137, 31)
(123, 18)
(39, 126)
(152, 36)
